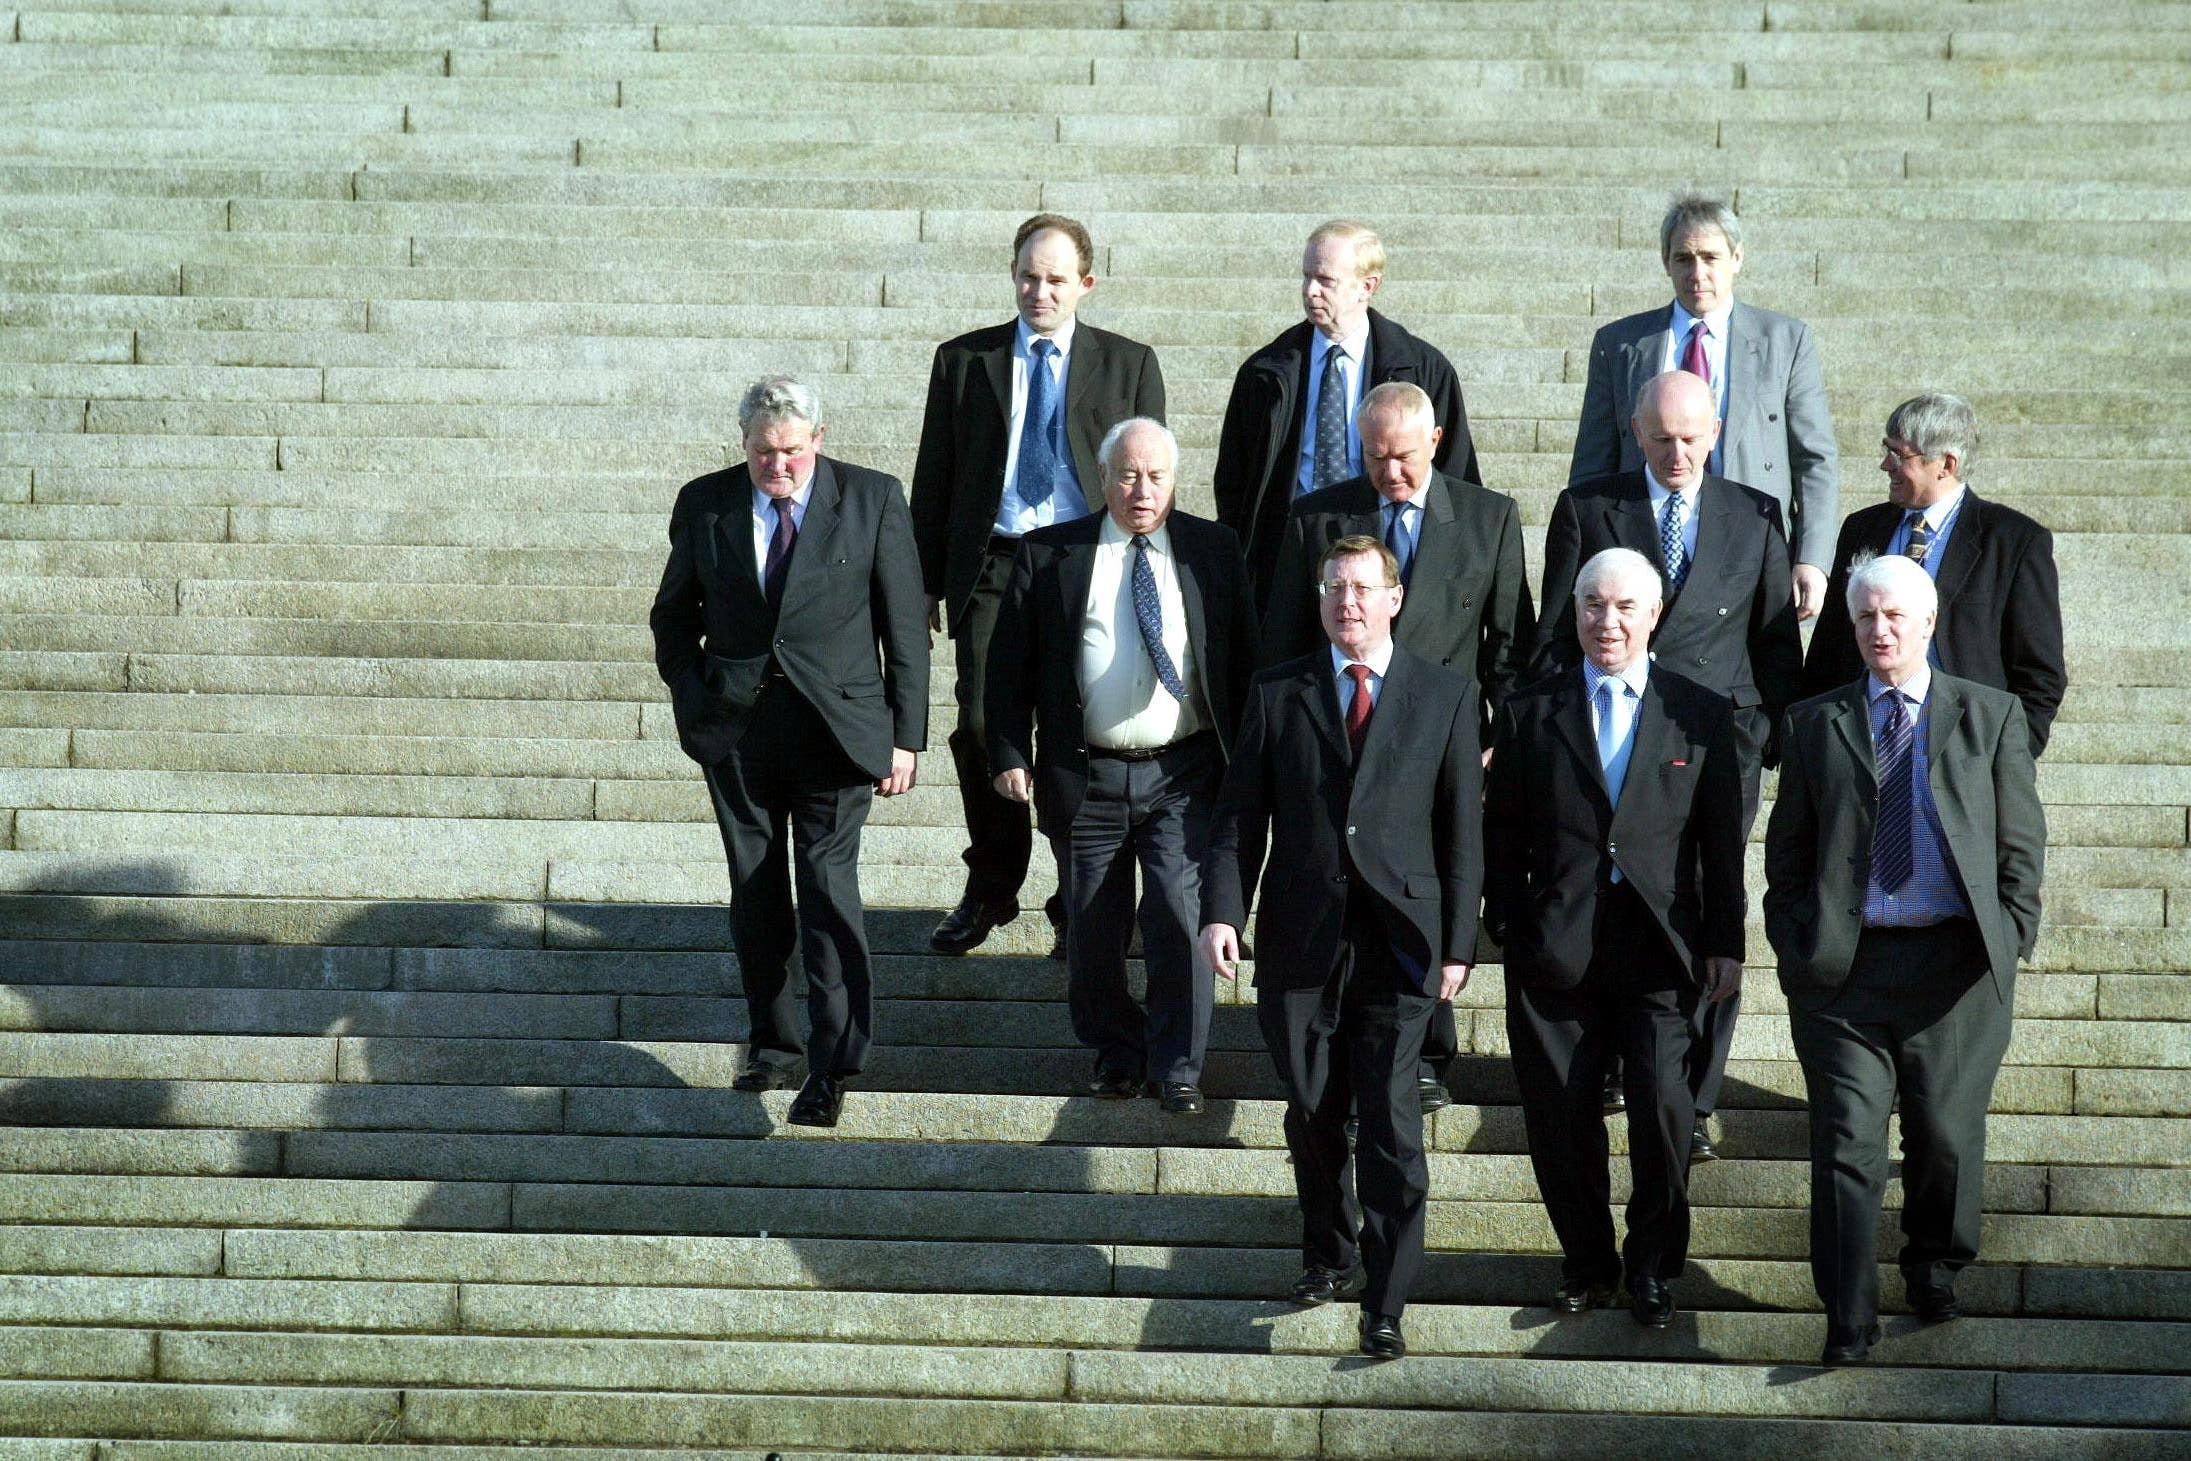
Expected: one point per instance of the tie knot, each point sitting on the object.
(1700, 331)
(1359, 674)
(1141, 542)
(782, 505)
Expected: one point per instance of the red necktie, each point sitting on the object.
(1358, 708)
(1693, 359)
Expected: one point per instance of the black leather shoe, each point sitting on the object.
(1435, 1096)
(1381, 1338)
(1651, 1301)
(761, 1076)
(1110, 1083)
(1700, 1143)
(965, 926)
(818, 1102)
(1849, 1351)
(1580, 1296)
(1178, 1098)
(1615, 1097)
(1319, 1285)
(1933, 1303)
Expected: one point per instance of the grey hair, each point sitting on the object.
(1108, 448)
(1894, 574)
(1403, 397)
(1692, 213)
(1938, 424)
(778, 398)
(1624, 563)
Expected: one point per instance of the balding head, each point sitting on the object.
(1400, 435)
(1676, 424)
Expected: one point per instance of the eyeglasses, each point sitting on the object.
(1904, 457)
(1346, 588)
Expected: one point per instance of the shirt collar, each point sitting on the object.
(1634, 677)
(1160, 540)
(1379, 660)
(1944, 509)
(799, 496)
(1916, 687)
(1355, 341)
(1024, 341)
(1717, 320)
(1659, 491)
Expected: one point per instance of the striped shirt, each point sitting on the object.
(1933, 894)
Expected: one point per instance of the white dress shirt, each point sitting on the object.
(1123, 705)
(1356, 346)
(764, 522)
(1014, 517)
(1659, 493)
(1715, 355)
(1379, 660)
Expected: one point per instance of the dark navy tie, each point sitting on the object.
(1397, 539)
(1920, 543)
(780, 545)
(1038, 430)
(1149, 613)
(1331, 424)
(1669, 541)
(1892, 860)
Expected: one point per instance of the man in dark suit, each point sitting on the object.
(1729, 622)
(785, 577)
(1613, 834)
(1993, 567)
(1286, 434)
(1460, 552)
(1127, 639)
(1365, 762)
(1008, 444)
(1776, 435)
(1902, 867)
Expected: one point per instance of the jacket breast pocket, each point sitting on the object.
(1421, 885)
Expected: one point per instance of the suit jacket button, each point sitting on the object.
(1700, 660)
(1723, 611)
(1350, 831)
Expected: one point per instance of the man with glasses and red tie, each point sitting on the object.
(1775, 434)
(1364, 761)
(1993, 567)
(1902, 868)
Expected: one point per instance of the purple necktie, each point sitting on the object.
(1693, 358)
(779, 552)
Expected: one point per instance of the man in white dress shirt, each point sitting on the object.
(1127, 637)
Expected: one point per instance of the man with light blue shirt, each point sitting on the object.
(1015, 414)
(1993, 567)
(1902, 868)
(1775, 437)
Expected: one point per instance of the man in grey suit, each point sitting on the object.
(790, 629)
(1902, 867)
(1775, 436)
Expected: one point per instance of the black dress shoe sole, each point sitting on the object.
(809, 1116)
(754, 1082)
(1384, 1347)
(968, 939)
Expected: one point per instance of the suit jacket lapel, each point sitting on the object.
(1190, 598)
(1853, 722)
(1081, 368)
(1745, 357)
(998, 365)
(1650, 350)
(1964, 544)
(1074, 570)
(1571, 722)
(817, 528)
(1632, 523)
(1654, 741)
(1385, 730)
(733, 527)
(1317, 687)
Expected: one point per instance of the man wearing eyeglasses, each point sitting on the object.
(1459, 547)
(1993, 567)
(1364, 762)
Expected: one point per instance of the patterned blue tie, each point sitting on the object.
(1669, 541)
(1397, 539)
(1149, 613)
(1038, 430)
(1892, 859)
(1331, 424)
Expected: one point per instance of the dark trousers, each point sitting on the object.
(1634, 1002)
(1351, 1047)
(1919, 1016)
(999, 838)
(1155, 813)
(791, 805)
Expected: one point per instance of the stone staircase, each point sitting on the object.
(363, 1059)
